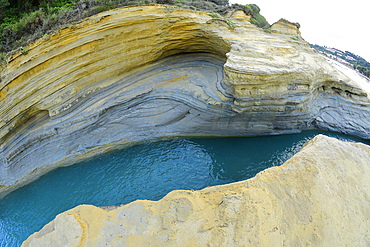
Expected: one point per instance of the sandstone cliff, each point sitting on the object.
(319, 197)
(143, 72)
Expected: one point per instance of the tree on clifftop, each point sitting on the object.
(3, 5)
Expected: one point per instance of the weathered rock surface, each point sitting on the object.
(144, 72)
(319, 197)
(286, 27)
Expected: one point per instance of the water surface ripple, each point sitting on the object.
(146, 171)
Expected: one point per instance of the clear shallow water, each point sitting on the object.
(146, 171)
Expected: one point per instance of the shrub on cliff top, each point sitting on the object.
(24, 21)
(254, 11)
(293, 23)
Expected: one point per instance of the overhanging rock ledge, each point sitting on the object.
(143, 72)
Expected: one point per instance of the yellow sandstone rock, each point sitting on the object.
(144, 72)
(319, 197)
(285, 27)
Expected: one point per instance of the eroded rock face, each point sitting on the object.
(319, 198)
(139, 73)
(286, 27)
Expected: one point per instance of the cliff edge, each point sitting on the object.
(319, 197)
(139, 73)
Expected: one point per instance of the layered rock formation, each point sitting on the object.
(318, 198)
(286, 27)
(144, 72)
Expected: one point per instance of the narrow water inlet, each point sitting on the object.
(146, 171)
(121, 77)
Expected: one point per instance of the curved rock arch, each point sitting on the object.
(144, 72)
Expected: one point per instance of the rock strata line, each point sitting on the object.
(144, 72)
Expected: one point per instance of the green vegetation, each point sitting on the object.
(24, 21)
(217, 16)
(362, 69)
(253, 10)
(346, 57)
(257, 18)
(24, 51)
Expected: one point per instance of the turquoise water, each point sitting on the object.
(146, 171)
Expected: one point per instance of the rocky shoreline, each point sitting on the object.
(84, 90)
(146, 72)
(319, 197)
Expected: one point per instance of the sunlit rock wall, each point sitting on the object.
(286, 27)
(319, 197)
(144, 72)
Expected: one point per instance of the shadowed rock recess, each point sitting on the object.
(139, 73)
